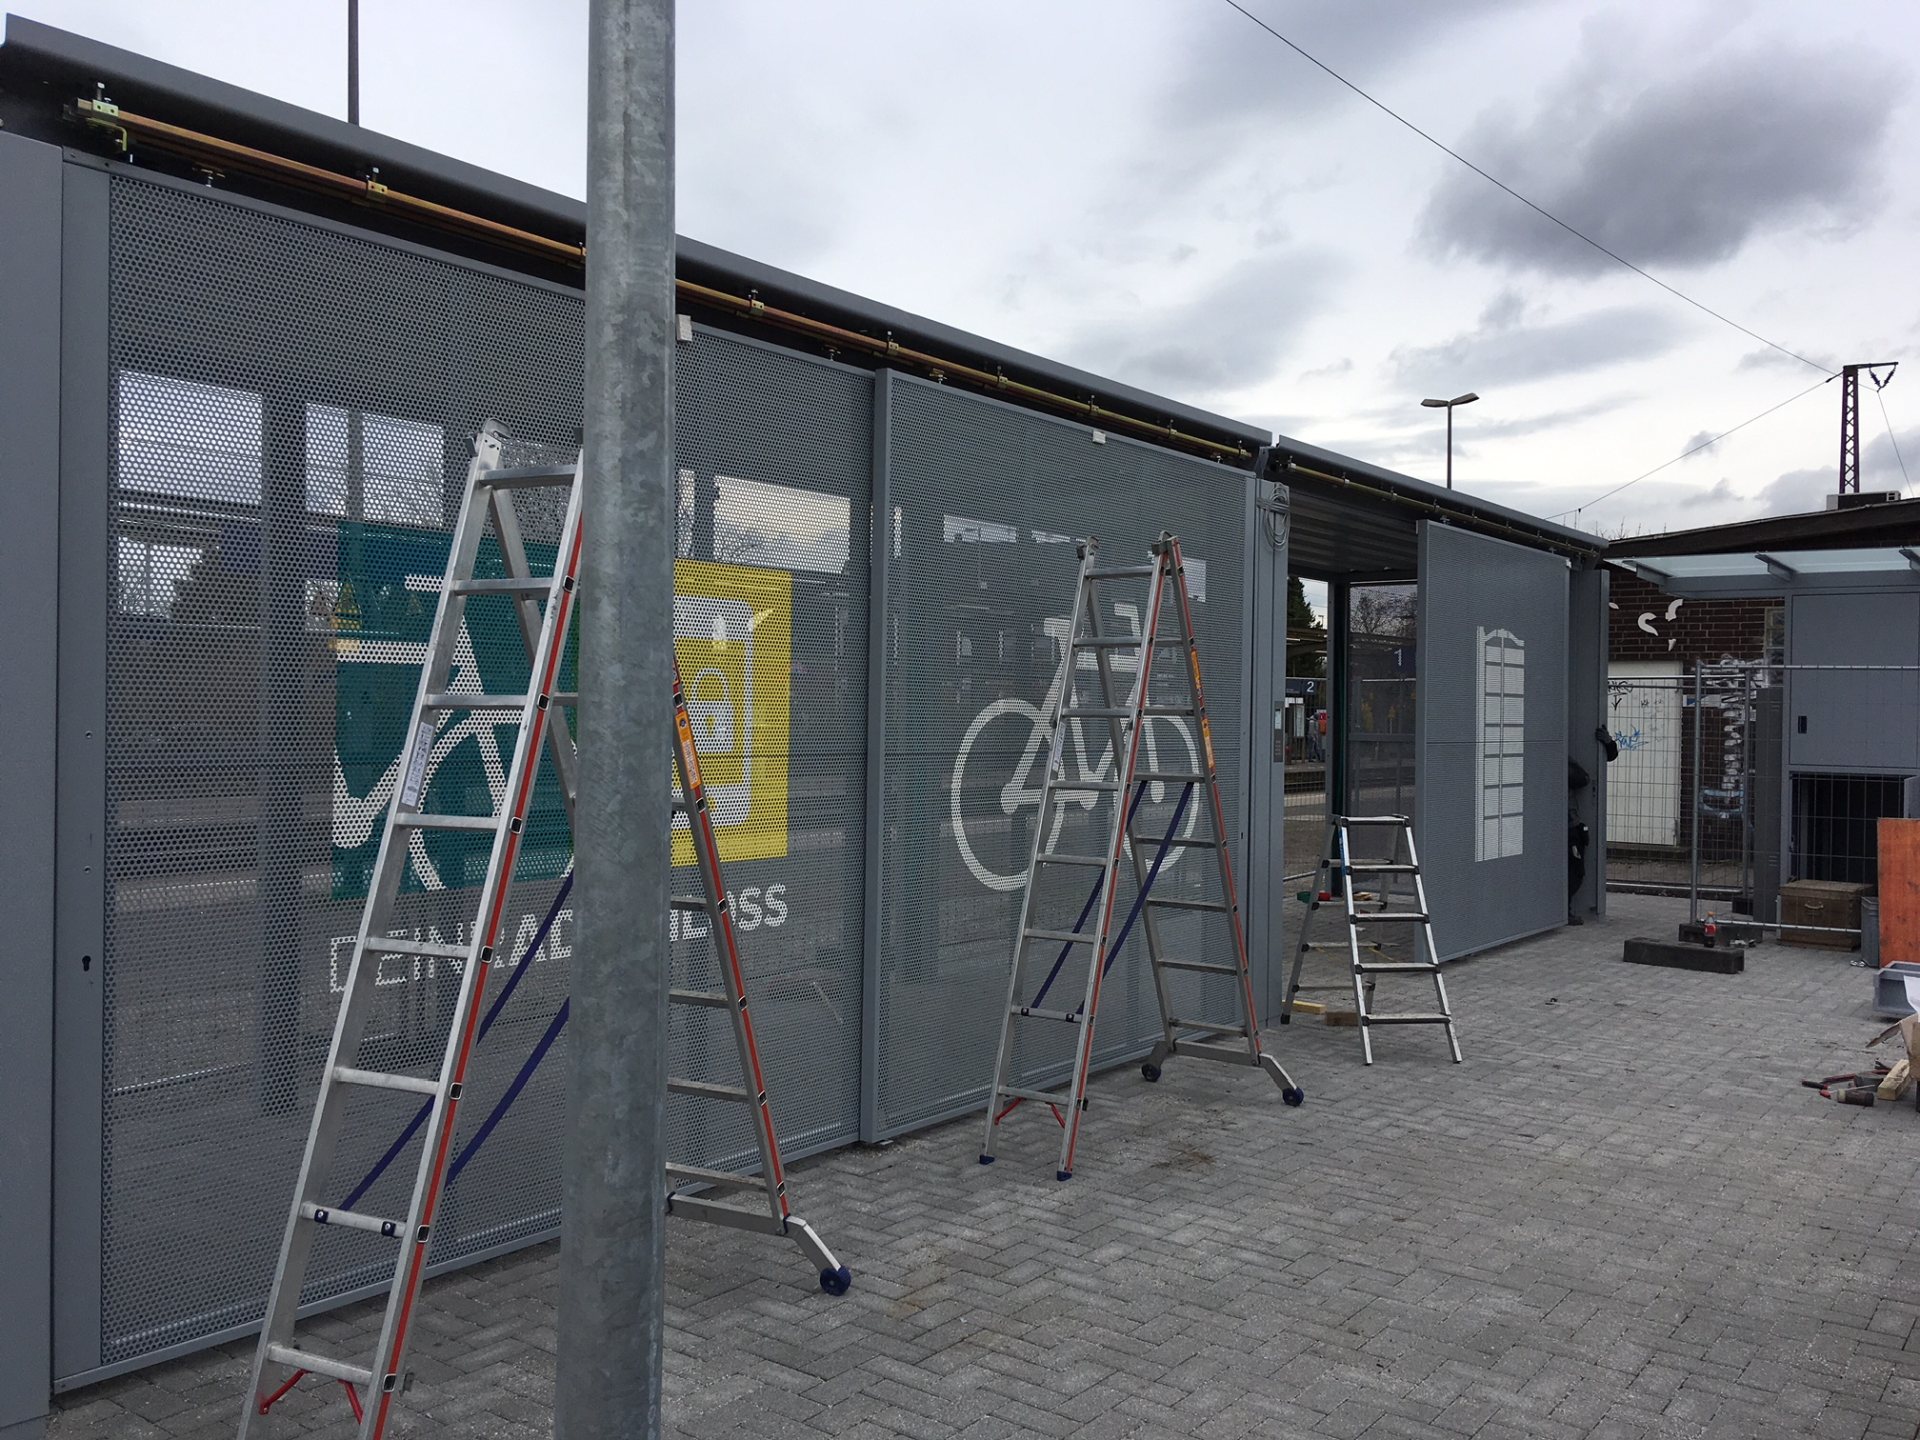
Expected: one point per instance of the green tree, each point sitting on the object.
(1306, 636)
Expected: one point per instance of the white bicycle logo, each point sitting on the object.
(1026, 788)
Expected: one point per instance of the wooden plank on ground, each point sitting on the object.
(1899, 890)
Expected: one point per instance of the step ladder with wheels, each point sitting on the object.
(1365, 908)
(543, 605)
(1125, 710)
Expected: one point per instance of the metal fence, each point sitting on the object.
(1754, 789)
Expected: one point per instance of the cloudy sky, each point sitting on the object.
(1160, 191)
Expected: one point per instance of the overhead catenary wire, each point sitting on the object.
(1879, 388)
(1695, 450)
(1538, 209)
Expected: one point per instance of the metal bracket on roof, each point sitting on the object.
(1779, 569)
(1911, 556)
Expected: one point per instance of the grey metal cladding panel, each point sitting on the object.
(1854, 719)
(1491, 774)
(292, 410)
(988, 500)
(30, 232)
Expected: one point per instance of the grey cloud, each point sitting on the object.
(1231, 334)
(1796, 492)
(1522, 350)
(1679, 172)
(1767, 358)
(1720, 493)
(1696, 441)
(1342, 366)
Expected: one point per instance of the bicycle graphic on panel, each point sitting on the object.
(1026, 787)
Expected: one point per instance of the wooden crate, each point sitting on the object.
(1830, 904)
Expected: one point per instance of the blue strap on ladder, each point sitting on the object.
(486, 1024)
(1086, 909)
(1153, 874)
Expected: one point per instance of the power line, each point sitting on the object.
(1704, 444)
(1501, 184)
(1880, 395)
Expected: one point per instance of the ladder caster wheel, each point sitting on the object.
(1294, 1096)
(1150, 1070)
(836, 1282)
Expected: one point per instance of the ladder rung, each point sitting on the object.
(564, 697)
(450, 700)
(1389, 917)
(1167, 710)
(1410, 1019)
(1207, 1027)
(1069, 786)
(686, 902)
(701, 1175)
(417, 820)
(1098, 712)
(1123, 572)
(1027, 1012)
(1194, 842)
(1193, 777)
(1380, 867)
(710, 1091)
(1199, 967)
(711, 999)
(1396, 967)
(1045, 1097)
(1107, 642)
(381, 1080)
(1369, 820)
(502, 585)
(319, 1364)
(436, 949)
(1097, 862)
(1065, 937)
(526, 477)
(1326, 945)
(353, 1220)
(1172, 904)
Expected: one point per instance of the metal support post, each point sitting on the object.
(613, 1232)
(1693, 888)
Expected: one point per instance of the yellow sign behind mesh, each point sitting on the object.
(733, 635)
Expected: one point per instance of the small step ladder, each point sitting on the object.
(1337, 860)
(543, 605)
(1123, 787)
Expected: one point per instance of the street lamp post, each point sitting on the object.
(1447, 405)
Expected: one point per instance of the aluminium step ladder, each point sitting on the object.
(1366, 958)
(543, 605)
(1124, 785)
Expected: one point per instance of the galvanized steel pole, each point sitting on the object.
(612, 1247)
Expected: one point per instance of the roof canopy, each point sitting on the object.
(1783, 572)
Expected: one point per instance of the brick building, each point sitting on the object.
(1646, 624)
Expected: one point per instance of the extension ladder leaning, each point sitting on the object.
(1125, 716)
(1336, 859)
(543, 604)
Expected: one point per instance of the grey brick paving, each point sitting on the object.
(1621, 1219)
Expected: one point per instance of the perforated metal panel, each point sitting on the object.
(292, 411)
(988, 501)
(1491, 739)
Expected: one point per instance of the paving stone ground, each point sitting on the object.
(1621, 1217)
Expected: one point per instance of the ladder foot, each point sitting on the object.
(1150, 1070)
(1063, 1174)
(986, 1159)
(1287, 1019)
(836, 1281)
(1294, 1095)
